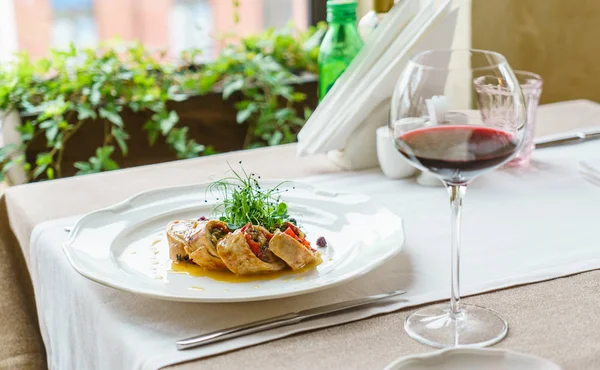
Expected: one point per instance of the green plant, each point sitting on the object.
(58, 95)
(242, 200)
(76, 87)
(262, 69)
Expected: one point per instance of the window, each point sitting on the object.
(172, 25)
(190, 27)
(278, 12)
(73, 22)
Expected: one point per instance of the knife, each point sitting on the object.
(280, 321)
(576, 138)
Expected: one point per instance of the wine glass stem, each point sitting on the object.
(457, 193)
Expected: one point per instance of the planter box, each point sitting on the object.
(211, 121)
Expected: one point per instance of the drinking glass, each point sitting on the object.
(531, 85)
(444, 123)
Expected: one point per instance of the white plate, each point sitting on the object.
(124, 246)
(472, 359)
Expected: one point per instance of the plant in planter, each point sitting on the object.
(102, 91)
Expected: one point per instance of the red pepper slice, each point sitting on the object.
(306, 243)
(289, 231)
(294, 228)
(252, 244)
(267, 235)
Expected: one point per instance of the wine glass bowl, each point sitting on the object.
(457, 114)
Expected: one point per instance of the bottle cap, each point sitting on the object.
(382, 6)
(341, 10)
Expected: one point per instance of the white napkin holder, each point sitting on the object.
(362, 147)
(392, 163)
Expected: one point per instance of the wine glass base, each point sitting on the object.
(473, 327)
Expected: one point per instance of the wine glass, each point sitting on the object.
(449, 118)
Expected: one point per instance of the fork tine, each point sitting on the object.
(593, 178)
(588, 168)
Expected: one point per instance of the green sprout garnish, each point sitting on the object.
(242, 200)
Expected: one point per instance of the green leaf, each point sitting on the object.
(109, 165)
(54, 108)
(232, 86)
(283, 114)
(43, 159)
(209, 150)
(84, 111)
(307, 113)
(6, 151)
(153, 129)
(315, 40)
(169, 122)
(298, 96)
(281, 209)
(111, 115)
(135, 106)
(244, 114)
(7, 166)
(276, 138)
(177, 138)
(50, 173)
(95, 95)
(100, 162)
(46, 124)
(120, 136)
(39, 170)
(207, 81)
(51, 133)
(26, 130)
(285, 91)
(83, 166)
(104, 152)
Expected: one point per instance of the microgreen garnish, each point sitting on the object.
(243, 200)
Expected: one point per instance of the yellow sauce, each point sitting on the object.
(229, 277)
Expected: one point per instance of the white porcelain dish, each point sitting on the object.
(472, 359)
(124, 246)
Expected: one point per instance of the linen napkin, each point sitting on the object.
(520, 226)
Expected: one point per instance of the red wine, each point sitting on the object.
(457, 153)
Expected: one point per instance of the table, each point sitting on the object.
(535, 311)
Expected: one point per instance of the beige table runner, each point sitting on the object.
(31, 204)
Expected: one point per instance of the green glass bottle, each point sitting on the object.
(340, 45)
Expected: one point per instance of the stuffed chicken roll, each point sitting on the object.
(291, 246)
(201, 243)
(176, 232)
(246, 251)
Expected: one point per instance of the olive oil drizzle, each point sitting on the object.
(229, 277)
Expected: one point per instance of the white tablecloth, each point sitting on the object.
(520, 226)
